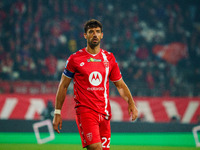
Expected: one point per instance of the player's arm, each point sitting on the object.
(126, 95)
(60, 97)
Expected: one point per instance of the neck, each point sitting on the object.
(94, 50)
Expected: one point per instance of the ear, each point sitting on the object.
(85, 35)
(102, 35)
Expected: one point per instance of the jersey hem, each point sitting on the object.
(116, 80)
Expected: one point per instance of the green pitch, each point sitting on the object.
(78, 147)
(147, 139)
(119, 141)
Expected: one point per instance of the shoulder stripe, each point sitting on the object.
(106, 77)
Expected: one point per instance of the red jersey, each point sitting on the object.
(91, 74)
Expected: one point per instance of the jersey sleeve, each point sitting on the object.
(69, 67)
(115, 73)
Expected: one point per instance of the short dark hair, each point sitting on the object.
(92, 24)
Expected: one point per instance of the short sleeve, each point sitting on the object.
(115, 73)
(69, 67)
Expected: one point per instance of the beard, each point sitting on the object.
(93, 44)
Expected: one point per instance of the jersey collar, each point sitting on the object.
(92, 54)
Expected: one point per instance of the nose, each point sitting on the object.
(95, 33)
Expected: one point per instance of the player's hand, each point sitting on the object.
(133, 112)
(57, 121)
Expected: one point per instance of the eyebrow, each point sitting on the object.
(93, 29)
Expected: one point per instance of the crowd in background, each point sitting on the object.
(37, 37)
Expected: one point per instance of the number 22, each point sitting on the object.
(104, 141)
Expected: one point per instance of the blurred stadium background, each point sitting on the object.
(156, 43)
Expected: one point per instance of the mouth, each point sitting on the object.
(95, 40)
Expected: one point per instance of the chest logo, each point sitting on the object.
(93, 60)
(81, 64)
(95, 78)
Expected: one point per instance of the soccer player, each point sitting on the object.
(91, 68)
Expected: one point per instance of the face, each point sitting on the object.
(93, 36)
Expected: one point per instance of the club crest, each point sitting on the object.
(89, 136)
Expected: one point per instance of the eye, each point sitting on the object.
(91, 31)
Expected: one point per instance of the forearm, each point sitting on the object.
(125, 93)
(60, 96)
(61, 92)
